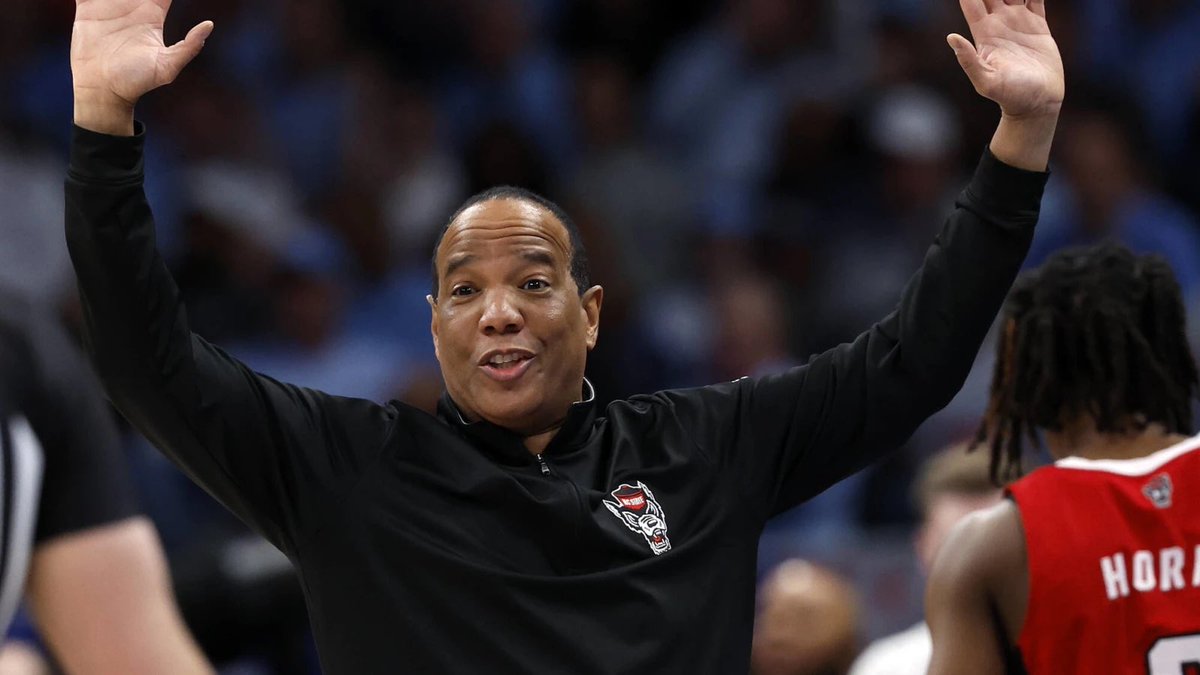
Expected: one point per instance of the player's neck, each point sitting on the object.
(1084, 440)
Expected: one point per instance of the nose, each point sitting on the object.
(501, 315)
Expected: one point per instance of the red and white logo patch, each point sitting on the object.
(636, 506)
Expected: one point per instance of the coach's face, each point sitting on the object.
(510, 328)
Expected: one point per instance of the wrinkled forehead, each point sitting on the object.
(499, 226)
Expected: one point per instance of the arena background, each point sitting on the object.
(756, 180)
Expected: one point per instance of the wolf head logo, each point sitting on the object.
(636, 506)
(1158, 491)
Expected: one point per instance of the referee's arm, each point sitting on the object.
(103, 602)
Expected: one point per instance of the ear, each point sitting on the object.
(630, 518)
(592, 299)
(433, 324)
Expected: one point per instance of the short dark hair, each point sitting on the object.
(1095, 331)
(579, 260)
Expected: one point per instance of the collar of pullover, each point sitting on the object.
(509, 446)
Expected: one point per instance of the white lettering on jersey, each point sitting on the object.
(1171, 565)
(1116, 582)
(1196, 569)
(1170, 570)
(1143, 571)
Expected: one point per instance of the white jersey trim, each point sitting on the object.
(1132, 467)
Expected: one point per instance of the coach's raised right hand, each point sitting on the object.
(118, 55)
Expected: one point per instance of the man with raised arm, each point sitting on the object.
(520, 530)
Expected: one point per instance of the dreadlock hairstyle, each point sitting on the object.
(1097, 332)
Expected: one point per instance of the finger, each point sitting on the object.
(973, 10)
(969, 59)
(962, 46)
(993, 5)
(181, 53)
(1038, 7)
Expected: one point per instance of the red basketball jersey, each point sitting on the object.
(1114, 565)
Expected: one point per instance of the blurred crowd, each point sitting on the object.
(756, 180)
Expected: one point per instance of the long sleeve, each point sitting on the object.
(786, 438)
(264, 449)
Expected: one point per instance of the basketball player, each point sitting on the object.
(1093, 564)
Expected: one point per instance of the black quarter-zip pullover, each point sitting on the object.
(429, 545)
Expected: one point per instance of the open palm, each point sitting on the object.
(1014, 60)
(117, 49)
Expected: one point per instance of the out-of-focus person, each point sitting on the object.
(807, 622)
(951, 485)
(1112, 192)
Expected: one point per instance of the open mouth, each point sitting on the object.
(509, 366)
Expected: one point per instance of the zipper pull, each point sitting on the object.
(542, 463)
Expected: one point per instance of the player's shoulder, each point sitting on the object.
(977, 570)
(982, 549)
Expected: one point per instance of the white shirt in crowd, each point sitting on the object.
(905, 653)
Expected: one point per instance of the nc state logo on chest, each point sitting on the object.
(636, 506)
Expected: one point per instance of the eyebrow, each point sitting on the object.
(458, 262)
(540, 257)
